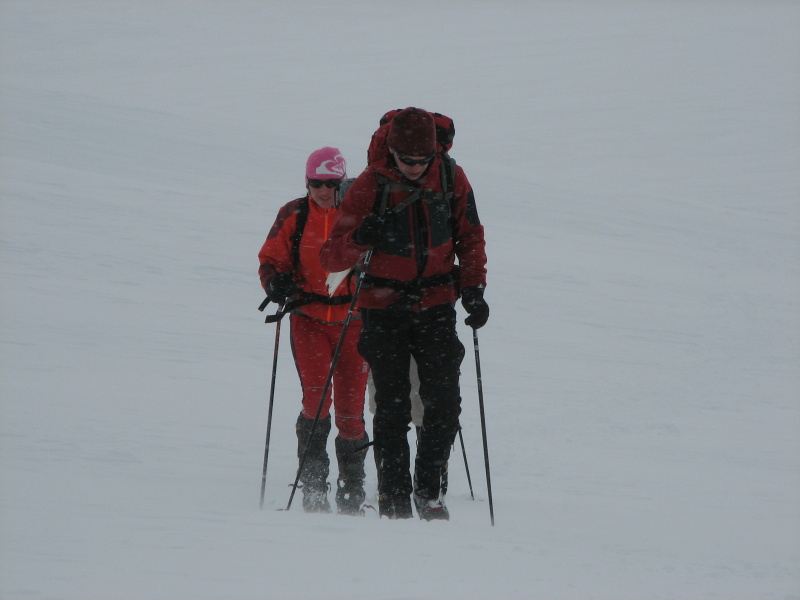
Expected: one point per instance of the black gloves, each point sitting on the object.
(371, 232)
(280, 287)
(475, 305)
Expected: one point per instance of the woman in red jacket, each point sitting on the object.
(291, 273)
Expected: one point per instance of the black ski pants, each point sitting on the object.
(389, 337)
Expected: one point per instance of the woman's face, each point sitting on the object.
(323, 191)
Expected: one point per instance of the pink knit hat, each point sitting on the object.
(326, 163)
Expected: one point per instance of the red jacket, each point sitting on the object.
(276, 257)
(426, 237)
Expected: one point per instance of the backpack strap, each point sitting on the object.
(410, 292)
(448, 172)
(413, 285)
(383, 185)
(300, 225)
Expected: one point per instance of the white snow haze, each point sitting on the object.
(636, 166)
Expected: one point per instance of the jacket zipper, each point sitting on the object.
(325, 237)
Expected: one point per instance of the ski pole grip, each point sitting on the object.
(264, 304)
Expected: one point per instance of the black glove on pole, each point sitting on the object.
(280, 287)
(475, 305)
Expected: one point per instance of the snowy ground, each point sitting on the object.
(637, 167)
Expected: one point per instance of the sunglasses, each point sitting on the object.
(328, 183)
(411, 162)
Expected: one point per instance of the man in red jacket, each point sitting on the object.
(290, 270)
(418, 219)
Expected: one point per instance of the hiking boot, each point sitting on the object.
(431, 510)
(350, 493)
(394, 507)
(314, 477)
(315, 500)
(350, 498)
(392, 464)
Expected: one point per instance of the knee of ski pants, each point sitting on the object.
(440, 391)
(350, 427)
(442, 414)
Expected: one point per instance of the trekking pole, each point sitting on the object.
(328, 380)
(466, 464)
(269, 411)
(483, 423)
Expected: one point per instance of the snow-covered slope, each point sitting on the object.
(637, 167)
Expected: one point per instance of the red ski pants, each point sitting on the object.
(313, 346)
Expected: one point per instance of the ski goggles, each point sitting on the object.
(328, 183)
(412, 162)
